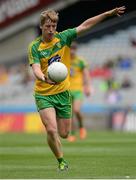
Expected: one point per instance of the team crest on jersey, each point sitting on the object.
(44, 53)
(56, 58)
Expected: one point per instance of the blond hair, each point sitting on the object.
(48, 14)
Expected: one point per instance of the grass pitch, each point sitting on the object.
(101, 155)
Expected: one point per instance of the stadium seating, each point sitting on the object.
(112, 47)
(97, 52)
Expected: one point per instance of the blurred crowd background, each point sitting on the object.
(109, 48)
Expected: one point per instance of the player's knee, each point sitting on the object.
(52, 132)
(64, 134)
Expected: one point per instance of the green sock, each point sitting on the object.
(60, 160)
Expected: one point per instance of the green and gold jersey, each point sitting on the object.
(46, 53)
(76, 73)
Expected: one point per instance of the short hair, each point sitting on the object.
(48, 14)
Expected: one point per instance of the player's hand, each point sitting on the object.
(87, 90)
(117, 11)
(47, 80)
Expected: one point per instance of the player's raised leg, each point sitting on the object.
(64, 126)
(72, 137)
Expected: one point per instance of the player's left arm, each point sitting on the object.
(86, 81)
(89, 23)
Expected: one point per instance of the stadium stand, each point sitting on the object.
(110, 52)
(112, 55)
(111, 49)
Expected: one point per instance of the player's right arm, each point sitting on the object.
(39, 74)
(34, 61)
(89, 23)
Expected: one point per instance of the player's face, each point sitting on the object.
(49, 29)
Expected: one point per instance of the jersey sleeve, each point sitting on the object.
(33, 55)
(83, 64)
(68, 36)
